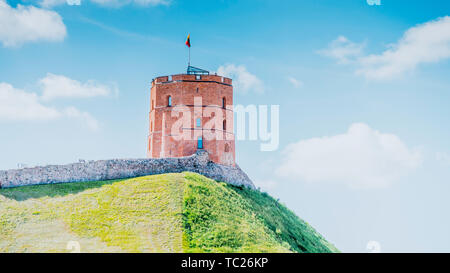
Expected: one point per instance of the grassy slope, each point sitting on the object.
(161, 213)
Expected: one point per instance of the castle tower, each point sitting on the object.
(189, 112)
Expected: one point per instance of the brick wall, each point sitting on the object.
(185, 91)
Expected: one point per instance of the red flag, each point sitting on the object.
(188, 41)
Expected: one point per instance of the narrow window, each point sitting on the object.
(199, 122)
(153, 104)
(224, 125)
(227, 148)
(170, 78)
(224, 102)
(197, 89)
(200, 143)
(169, 101)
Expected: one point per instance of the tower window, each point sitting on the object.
(169, 101)
(200, 143)
(199, 122)
(224, 125)
(224, 102)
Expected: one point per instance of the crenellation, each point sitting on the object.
(191, 78)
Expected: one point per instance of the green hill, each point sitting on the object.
(183, 212)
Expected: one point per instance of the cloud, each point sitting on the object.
(73, 112)
(296, 83)
(243, 80)
(360, 158)
(52, 3)
(110, 3)
(422, 44)
(343, 50)
(29, 24)
(425, 43)
(58, 86)
(17, 105)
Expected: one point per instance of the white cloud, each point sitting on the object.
(422, 44)
(296, 83)
(73, 112)
(29, 24)
(425, 43)
(110, 3)
(243, 80)
(58, 86)
(343, 50)
(17, 105)
(52, 3)
(360, 158)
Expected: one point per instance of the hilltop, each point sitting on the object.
(175, 212)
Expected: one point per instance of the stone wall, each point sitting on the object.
(124, 168)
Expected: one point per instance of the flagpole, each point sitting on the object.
(188, 43)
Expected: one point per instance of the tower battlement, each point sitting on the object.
(191, 112)
(191, 77)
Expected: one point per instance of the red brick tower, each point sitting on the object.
(189, 112)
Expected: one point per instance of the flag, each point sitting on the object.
(188, 40)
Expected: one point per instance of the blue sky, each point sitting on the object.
(363, 90)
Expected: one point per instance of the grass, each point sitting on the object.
(133, 215)
(218, 219)
(284, 224)
(183, 212)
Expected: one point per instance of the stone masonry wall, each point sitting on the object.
(124, 168)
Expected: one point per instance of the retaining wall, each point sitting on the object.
(124, 168)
